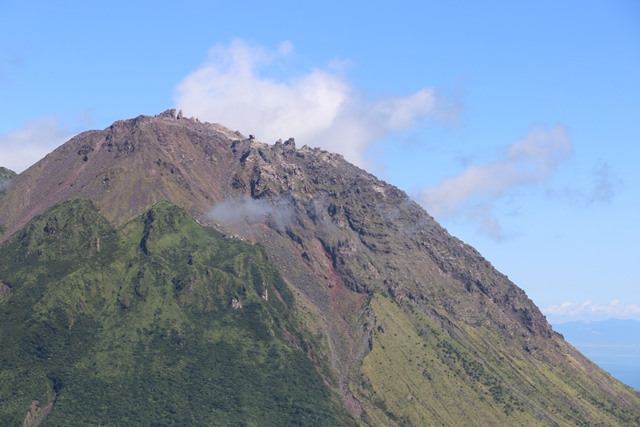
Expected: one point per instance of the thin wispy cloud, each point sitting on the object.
(20, 148)
(473, 193)
(606, 183)
(589, 310)
(604, 186)
(9, 59)
(243, 210)
(320, 108)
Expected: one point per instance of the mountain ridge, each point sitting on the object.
(362, 260)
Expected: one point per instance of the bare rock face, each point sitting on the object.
(366, 262)
(5, 290)
(37, 414)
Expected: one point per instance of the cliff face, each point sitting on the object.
(411, 326)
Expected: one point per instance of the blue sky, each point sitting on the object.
(514, 123)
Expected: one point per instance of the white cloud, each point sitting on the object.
(401, 112)
(21, 148)
(319, 108)
(474, 192)
(592, 311)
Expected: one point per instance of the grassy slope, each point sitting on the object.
(5, 177)
(417, 374)
(135, 327)
(6, 174)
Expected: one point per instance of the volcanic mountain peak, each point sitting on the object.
(411, 325)
(339, 216)
(126, 168)
(134, 163)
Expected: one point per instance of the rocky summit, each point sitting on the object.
(166, 271)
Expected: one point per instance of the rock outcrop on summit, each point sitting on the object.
(410, 325)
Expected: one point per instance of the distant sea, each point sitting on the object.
(612, 344)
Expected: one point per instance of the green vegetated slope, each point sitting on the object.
(5, 177)
(418, 374)
(6, 174)
(137, 326)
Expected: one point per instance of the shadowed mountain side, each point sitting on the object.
(417, 327)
